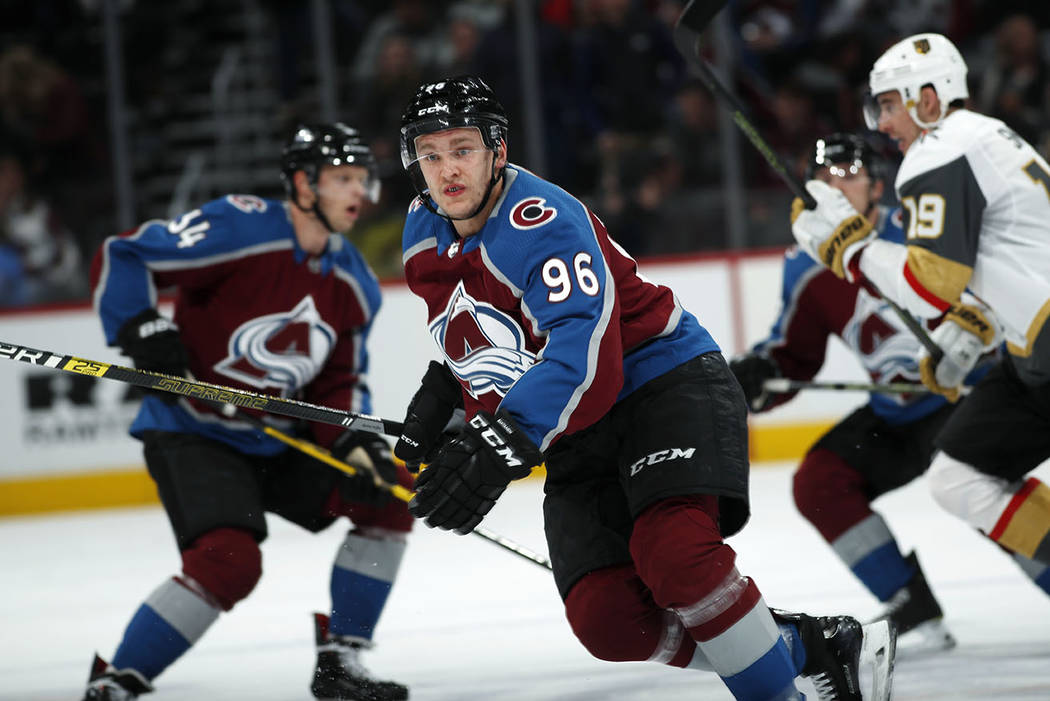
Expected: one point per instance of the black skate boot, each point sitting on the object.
(340, 676)
(832, 645)
(914, 610)
(107, 683)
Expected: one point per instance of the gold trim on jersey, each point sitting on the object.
(939, 275)
(1038, 322)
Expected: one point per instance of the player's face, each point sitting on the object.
(855, 183)
(342, 191)
(457, 168)
(895, 122)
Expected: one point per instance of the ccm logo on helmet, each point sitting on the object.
(530, 213)
(661, 456)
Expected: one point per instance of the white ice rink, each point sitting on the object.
(470, 621)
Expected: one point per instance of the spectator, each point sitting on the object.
(626, 62)
(48, 257)
(377, 107)
(455, 54)
(42, 103)
(693, 126)
(419, 20)
(1013, 87)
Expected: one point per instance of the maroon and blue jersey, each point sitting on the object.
(541, 313)
(816, 304)
(254, 310)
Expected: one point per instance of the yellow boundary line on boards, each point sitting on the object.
(133, 486)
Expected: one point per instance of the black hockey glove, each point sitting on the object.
(152, 342)
(751, 371)
(471, 471)
(428, 414)
(370, 456)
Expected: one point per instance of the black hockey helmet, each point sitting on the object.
(460, 101)
(843, 148)
(314, 145)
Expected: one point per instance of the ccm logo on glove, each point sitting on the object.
(490, 436)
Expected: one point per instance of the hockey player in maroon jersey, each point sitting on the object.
(884, 444)
(561, 353)
(268, 299)
(976, 198)
(880, 446)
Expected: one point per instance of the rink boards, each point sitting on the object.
(64, 436)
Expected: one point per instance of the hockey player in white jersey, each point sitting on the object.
(976, 199)
(885, 443)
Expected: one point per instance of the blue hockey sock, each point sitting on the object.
(165, 626)
(362, 576)
(871, 552)
(1035, 571)
(753, 659)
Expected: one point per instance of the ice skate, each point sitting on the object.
(106, 683)
(339, 674)
(834, 647)
(915, 613)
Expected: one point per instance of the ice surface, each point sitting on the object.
(469, 621)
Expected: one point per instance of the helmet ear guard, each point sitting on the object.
(913, 63)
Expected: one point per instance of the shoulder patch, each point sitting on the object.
(897, 218)
(247, 203)
(531, 213)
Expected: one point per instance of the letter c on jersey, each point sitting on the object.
(530, 213)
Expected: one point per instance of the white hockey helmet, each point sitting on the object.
(908, 65)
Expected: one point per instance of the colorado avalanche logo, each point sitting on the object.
(485, 347)
(887, 349)
(530, 213)
(284, 350)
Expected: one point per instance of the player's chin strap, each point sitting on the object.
(315, 210)
(317, 452)
(428, 202)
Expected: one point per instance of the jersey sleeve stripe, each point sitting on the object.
(593, 352)
(423, 245)
(921, 290)
(207, 261)
(931, 274)
(362, 299)
(498, 274)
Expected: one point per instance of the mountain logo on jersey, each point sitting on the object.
(484, 346)
(887, 350)
(284, 350)
(530, 213)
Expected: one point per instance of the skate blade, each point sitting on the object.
(924, 640)
(877, 654)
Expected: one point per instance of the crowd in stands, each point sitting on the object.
(623, 119)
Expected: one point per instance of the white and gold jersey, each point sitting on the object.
(976, 200)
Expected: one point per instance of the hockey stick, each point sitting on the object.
(201, 390)
(782, 385)
(317, 452)
(238, 399)
(692, 22)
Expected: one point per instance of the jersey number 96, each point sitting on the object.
(557, 277)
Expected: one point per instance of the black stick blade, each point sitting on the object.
(699, 13)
